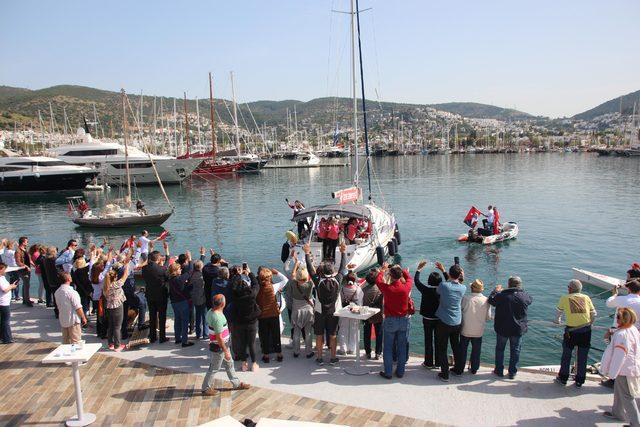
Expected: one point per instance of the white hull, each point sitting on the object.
(510, 231)
(599, 280)
(362, 255)
(170, 171)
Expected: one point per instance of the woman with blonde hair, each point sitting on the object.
(269, 318)
(621, 360)
(300, 288)
(114, 295)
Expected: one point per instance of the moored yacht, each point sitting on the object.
(41, 174)
(109, 159)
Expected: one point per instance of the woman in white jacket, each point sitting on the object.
(621, 361)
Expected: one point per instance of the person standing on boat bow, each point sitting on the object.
(298, 207)
(580, 314)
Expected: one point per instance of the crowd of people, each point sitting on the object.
(230, 306)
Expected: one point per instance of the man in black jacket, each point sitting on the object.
(510, 323)
(156, 278)
(327, 285)
(210, 273)
(429, 302)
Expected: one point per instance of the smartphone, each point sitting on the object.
(456, 260)
(245, 266)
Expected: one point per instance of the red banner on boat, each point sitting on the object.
(472, 217)
(348, 195)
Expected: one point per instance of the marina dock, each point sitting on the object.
(160, 384)
(322, 165)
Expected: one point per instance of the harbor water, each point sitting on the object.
(574, 210)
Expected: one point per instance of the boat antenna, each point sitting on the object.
(126, 147)
(364, 104)
(212, 113)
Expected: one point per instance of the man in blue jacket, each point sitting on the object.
(510, 323)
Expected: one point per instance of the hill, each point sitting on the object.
(23, 105)
(615, 105)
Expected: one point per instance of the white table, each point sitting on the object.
(64, 354)
(346, 313)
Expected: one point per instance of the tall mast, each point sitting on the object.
(235, 115)
(175, 127)
(126, 146)
(364, 106)
(212, 118)
(186, 123)
(356, 175)
(155, 119)
(198, 121)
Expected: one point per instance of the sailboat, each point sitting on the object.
(377, 234)
(249, 162)
(119, 213)
(210, 164)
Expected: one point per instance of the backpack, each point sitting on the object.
(327, 282)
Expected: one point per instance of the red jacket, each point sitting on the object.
(395, 295)
(351, 231)
(322, 230)
(333, 231)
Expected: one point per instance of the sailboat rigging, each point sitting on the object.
(369, 232)
(119, 213)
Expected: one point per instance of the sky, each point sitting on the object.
(552, 58)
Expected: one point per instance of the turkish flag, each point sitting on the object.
(163, 235)
(472, 217)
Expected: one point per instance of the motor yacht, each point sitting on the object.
(109, 159)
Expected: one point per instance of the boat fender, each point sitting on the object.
(380, 254)
(391, 247)
(396, 234)
(284, 254)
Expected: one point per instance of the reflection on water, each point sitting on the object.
(573, 210)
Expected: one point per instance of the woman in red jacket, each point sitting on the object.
(396, 291)
(333, 234)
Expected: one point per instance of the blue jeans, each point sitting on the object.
(14, 276)
(142, 308)
(181, 321)
(201, 321)
(476, 348)
(395, 330)
(515, 344)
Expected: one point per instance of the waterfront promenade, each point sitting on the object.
(160, 384)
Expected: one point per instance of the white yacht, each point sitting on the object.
(109, 159)
(41, 174)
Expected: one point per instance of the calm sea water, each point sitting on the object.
(573, 210)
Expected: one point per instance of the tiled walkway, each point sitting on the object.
(129, 393)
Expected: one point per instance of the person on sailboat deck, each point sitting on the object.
(351, 231)
(333, 234)
(298, 206)
(140, 207)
